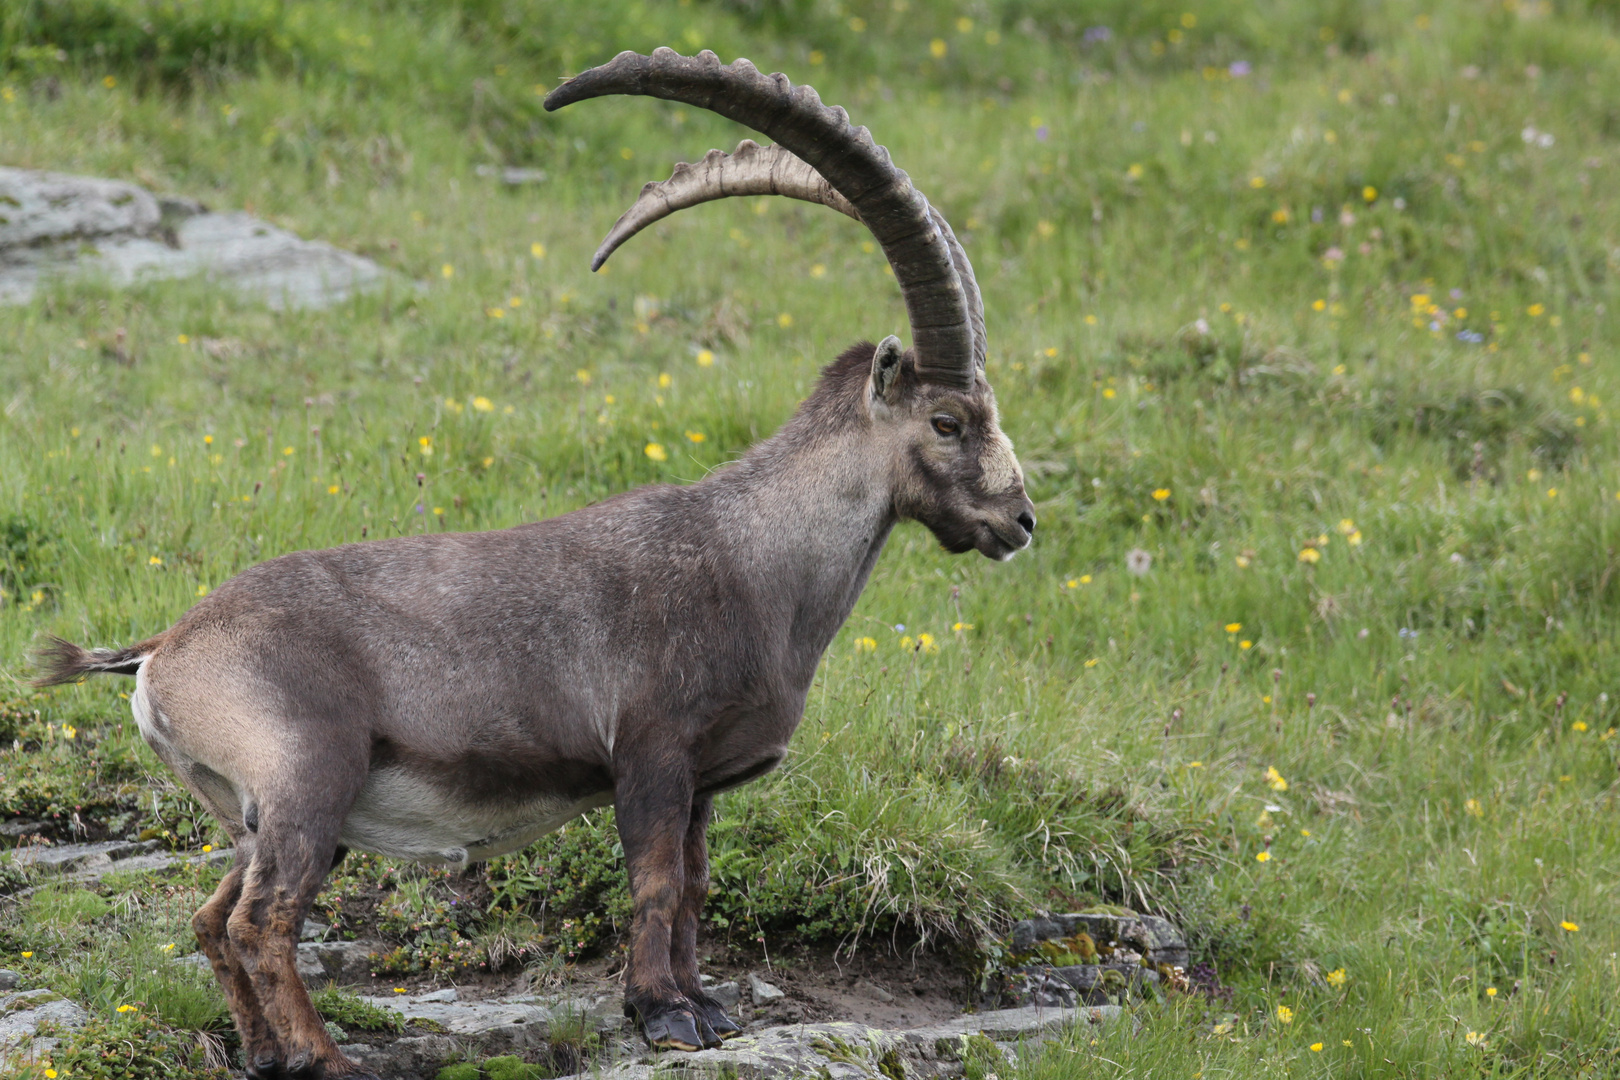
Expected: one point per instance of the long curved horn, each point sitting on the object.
(752, 169)
(856, 167)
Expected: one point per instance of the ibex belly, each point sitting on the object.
(406, 817)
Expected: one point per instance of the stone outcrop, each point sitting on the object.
(837, 1051)
(54, 225)
(21, 1015)
(1094, 958)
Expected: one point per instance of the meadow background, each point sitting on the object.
(1309, 303)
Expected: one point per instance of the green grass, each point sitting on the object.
(1153, 235)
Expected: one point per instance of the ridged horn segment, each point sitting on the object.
(898, 216)
(751, 169)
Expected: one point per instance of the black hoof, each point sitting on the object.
(673, 1028)
(723, 1026)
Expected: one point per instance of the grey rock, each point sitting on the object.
(417, 1056)
(9, 980)
(470, 1017)
(440, 995)
(23, 1012)
(313, 931)
(14, 829)
(1030, 932)
(54, 225)
(728, 994)
(868, 988)
(1158, 939)
(63, 858)
(342, 962)
(763, 992)
(38, 208)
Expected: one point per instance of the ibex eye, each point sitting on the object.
(946, 425)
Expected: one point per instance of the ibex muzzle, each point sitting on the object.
(450, 697)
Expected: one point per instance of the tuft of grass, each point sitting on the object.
(346, 1009)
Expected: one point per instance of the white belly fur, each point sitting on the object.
(404, 817)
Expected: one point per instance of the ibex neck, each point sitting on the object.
(808, 522)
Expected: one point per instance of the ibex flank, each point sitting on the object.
(451, 697)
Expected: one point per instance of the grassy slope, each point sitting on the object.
(1111, 197)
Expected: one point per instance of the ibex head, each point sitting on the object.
(952, 469)
(929, 409)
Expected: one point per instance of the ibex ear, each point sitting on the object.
(886, 368)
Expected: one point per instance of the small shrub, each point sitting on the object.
(511, 1067)
(347, 1010)
(132, 1046)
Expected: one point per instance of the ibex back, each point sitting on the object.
(450, 697)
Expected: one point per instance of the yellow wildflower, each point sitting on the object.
(1336, 977)
(1579, 725)
(333, 490)
(1233, 627)
(1092, 662)
(865, 644)
(1161, 494)
(1285, 1014)
(657, 452)
(1310, 555)
(1245, 644)
(154, 561)
(1264, 856)
(1275, 779)
(1569, 926)
(1475, 1038)
(483, 404)
(1316, 1048)
(1490, 991)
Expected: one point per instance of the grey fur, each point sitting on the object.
(448, 697)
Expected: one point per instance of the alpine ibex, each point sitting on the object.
(451, 697)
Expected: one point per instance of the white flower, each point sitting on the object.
(1138, 561)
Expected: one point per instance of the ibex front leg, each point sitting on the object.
(683, 944)
(654, 807)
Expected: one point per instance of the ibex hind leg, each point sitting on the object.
(294, 849)
(209, 924)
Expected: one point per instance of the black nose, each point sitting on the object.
(1027, 520)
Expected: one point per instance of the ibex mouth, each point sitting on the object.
(1008, 539)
